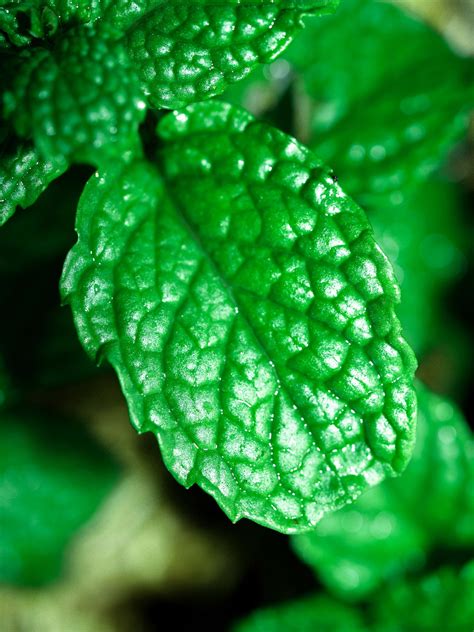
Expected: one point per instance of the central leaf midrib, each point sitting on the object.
(181, 215)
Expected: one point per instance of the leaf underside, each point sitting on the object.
(250, 316)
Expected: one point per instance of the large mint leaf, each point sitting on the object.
(395, 525)
(250, 317)
(24, 175)
(52, 479)
(80, 99)
(388, 106)
(187, 52)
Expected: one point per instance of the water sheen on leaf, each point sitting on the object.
(394, 526)
(80, 99)
(250, 316)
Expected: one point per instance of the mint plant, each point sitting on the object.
(232, 273)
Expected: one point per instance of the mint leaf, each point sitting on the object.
(387, 107)
(80, 99)
(250, 317)
(52, 479)
(186, 52)
(24, 175)
(394, 526)
(310, 614)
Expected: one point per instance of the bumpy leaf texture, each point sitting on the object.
(187, 52)
(79, 99)
(53, 478)
(394, 526)
(250, 316)
(439, 601)
(24, 175)
(388, 106)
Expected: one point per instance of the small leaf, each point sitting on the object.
(250, 317)
(189, 52)
(80, 99)
(394, 526)
(424, 237)
(24, 175)
(439, 601)
(52, 479)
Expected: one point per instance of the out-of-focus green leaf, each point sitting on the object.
(439, 601)
(52, 479)
(311, 614)
(389, 97)
(442, 600)
(424, 237)
(392, 527)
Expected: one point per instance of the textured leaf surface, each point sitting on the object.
(80, 99)
(310, 614)
(24, 175)
(250, 316)
(52, 479)
(387, 106)
(187, 52)
(395, 525)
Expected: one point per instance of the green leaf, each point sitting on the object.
(52, 479)
(388, 106)
(310, 614)
(393, 526)
(22, 22)
(424, 237)
(24, 175)
(80, 99)
(187, 52)
(250, 317)
(439, 601)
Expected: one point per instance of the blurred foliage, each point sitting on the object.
(438, 601)
(52, 479)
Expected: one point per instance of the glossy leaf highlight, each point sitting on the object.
(250, 316)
